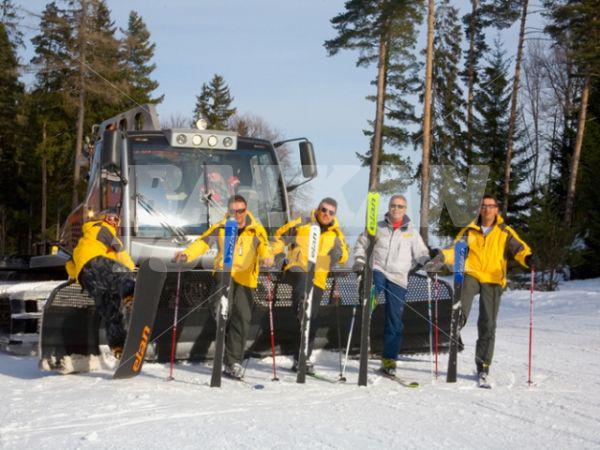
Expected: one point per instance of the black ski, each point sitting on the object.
(313, 250)
(368, 294)
(460, 256)
(148, 287)
(231, 229)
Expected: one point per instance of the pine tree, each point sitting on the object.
(50, 116)
(384, 33)
(448, 146)
(576, 25)
(138, 53)
(214, 104)
(11, 20)
(587, 211)
(11, 91)
(491, 104)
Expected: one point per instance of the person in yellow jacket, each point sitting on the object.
(104, 269)
(490, 242)
(333, 249)
(251, 248)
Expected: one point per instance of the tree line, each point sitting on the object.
(523, 119)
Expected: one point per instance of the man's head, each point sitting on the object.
(488, 209)
(110, 217)
(397, 207)
(237, 209)
(326, 211)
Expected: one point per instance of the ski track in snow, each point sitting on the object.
(46, 411)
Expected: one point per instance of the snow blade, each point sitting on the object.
(231, 230)
(368, 294)
(313, 250)
(460, 256)
(148, 288)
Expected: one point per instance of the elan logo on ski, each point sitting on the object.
(139, 356)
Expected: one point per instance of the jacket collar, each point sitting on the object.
(406, 222)
(251, 222)
(476, 224)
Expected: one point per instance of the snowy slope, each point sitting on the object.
(40, 410)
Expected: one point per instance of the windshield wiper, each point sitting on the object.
(178, 232)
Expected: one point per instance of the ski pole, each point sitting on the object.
(437, 295)
(335, 295)
(271, 327)
(430, 325)
(531, 320)
(349, 339)
(175, 314)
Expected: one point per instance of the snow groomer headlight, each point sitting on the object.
(202, 139)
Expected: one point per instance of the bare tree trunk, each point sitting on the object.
(379, 112)
(81, 102)
(57, 225)
(44, 182)
(2, 231)
(424, 225)
(513, 109)
(577, 152)
(30, 231)
(470, 83)
(551, 155)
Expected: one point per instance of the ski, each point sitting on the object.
(313, 250)
(148, 288)
(460, 256)
(320, 377)
(368, 294)
(400, 381)
(231, 229)
(255, 386)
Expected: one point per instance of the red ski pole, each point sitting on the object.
(436, 328)
(531, 321)
(173, 340)
(271, 327)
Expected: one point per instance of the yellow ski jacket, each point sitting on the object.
(294, 236)
(99, 239)
(251, 246)
(487, 256)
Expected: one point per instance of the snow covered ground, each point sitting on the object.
(41, 410)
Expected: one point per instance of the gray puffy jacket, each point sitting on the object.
(395, 251)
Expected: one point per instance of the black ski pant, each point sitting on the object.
(489, 304)
(108, 282)
(239, 316)
(298, 282)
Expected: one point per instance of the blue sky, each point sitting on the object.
(271, 54)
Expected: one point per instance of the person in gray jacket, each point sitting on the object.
(398, 247)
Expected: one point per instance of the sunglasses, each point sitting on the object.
(397, 206)
(488, 206)
(237, 211)
(328, 211)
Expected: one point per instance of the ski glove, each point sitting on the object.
(531, 260)
(280, 262)
(434, 265)
(359, 266)
(335, 254)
